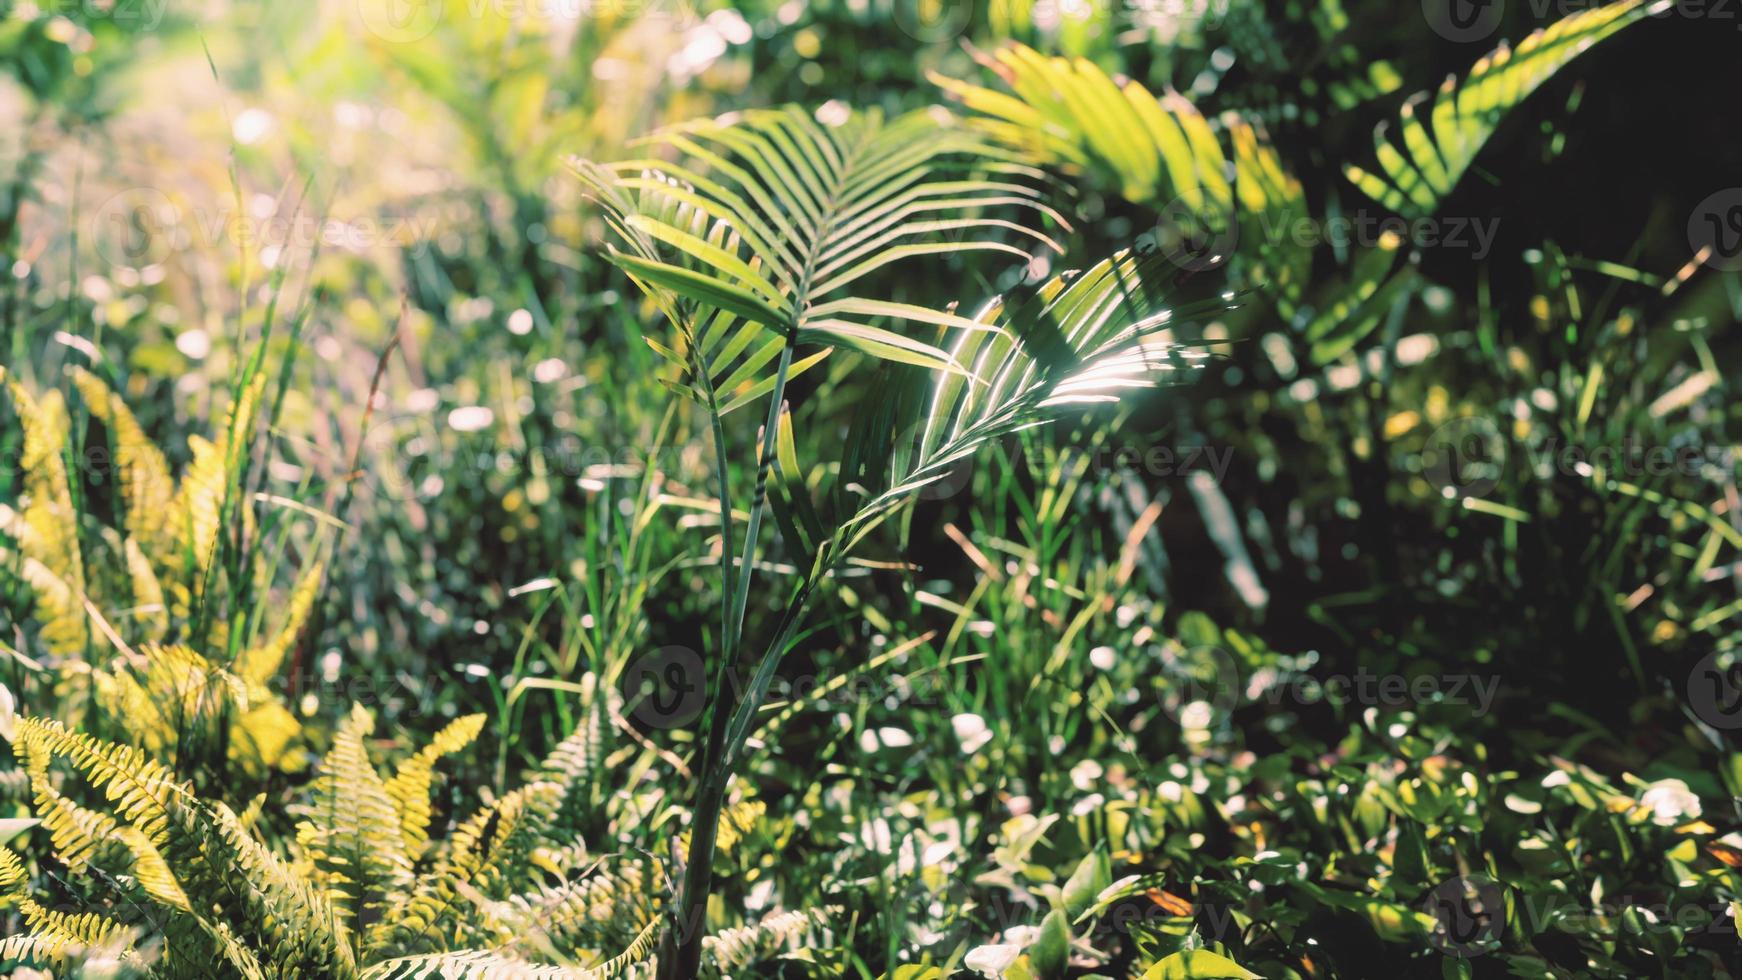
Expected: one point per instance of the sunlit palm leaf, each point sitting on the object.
(1418, 168)
(1158, 152)
(771, 216)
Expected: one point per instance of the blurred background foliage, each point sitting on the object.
(472, 435)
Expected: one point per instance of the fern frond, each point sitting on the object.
(591, 912)
(141, 789)
(200, 499)
(14, 875)
(736, 949)
(351, 831)
(486, 858)
(83, 929)
(258, 664)
(142, 470)
(1419, 168)
(261, 914)
(50, 539)
(470, 964)
(150, 615)
(409, 788)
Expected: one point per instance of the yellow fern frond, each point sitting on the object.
(142, 471)
(150, 615)
(470, 964)
(485, 856)
(351, 831)
(52, 538)
(75, 833)
(199, 502)
(259, 664)
(141, 789)
(13, 873)
(84, 929)
(152, 871)
(410, 786)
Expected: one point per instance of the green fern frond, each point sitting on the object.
(351, 831)
(486, 858)
(470, 965)
(735, 949)
(590, 912)
(257, 909)
(409, 788)
(1419, 168)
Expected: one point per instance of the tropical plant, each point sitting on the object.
(790, 211)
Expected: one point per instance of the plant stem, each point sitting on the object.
(684, 939)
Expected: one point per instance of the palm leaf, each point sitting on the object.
(1158, 152)
(1419, 167)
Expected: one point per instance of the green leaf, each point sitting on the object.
(1198, 963)
(1051, 950)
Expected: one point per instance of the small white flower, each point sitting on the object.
(470, 418)
(992, 961)
(1670, 801)
(971, 731)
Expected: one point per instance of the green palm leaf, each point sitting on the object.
(1418, 168)
(1158, 152)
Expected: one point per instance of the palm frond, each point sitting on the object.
(1418, 168)
(772, 216)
